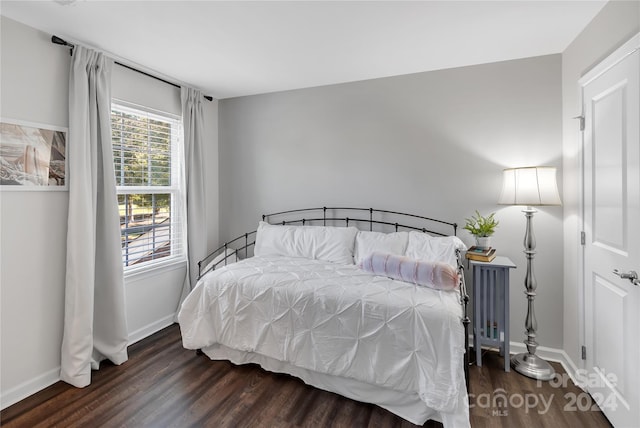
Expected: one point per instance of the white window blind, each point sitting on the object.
(147, 153)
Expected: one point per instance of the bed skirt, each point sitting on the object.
(407, 406)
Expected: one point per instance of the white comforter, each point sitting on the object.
(334, 319)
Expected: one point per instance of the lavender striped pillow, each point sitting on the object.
(436, 275)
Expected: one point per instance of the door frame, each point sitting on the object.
(626, 49)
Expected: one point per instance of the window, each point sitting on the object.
(147, 158)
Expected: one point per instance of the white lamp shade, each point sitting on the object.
(529, 186)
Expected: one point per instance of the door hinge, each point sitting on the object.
(584, 352)
(581, 122)
(583, 238)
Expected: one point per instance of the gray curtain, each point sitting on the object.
(193, 123)
(95, 325)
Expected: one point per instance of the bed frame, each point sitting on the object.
(379, 220)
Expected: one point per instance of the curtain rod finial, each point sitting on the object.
(58, 41)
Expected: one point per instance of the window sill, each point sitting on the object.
(141, 272)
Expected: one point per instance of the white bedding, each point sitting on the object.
(337, 320)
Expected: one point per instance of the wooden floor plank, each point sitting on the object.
(164, 385)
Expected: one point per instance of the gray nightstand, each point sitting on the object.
(491, 306)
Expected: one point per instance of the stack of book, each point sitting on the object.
(481, 254)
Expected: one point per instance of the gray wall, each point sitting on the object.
(616, 23)
(430, 143)
(33, 225)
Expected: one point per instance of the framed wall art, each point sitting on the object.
(32, 156)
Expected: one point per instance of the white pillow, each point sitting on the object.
(435, 249)
(333, 244)
(388, 243)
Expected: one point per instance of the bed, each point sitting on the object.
(373, 315)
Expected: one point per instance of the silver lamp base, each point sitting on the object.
(532, 366)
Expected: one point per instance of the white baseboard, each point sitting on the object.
(549, 354)
(30, 387)
(44, 380)
(149, 329)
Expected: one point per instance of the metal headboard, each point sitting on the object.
(333, 216)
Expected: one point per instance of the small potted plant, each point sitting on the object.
(482, 228)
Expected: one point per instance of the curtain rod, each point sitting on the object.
(58, 41)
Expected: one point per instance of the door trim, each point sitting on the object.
(626, 49)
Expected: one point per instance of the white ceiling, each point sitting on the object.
(236, 48)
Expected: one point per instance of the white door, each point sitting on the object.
(611, 198)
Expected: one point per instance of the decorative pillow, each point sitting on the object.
(333, 244)
(389, 243)
(436, 275)
(435, 249)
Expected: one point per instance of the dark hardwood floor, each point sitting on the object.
(164, 385)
